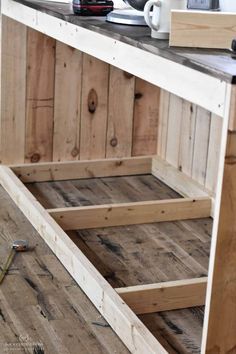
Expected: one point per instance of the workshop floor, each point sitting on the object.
(140, 254)
(40, 304)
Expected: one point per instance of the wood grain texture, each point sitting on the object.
(174, 130)
(188, 126)
(163, 123)
(120, 110)
(94, 108)
(146, 115)
(40, 302)
(39, 97)
(220, 334)
(213, 153)
(201, 144)
(57, 171)
(141, 254)
(202, 29)
(92, 217)
(68, 73)
(13, 78)
(127, 326)
(165, 296)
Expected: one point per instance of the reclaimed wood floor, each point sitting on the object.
(140, 254)
(40, 304)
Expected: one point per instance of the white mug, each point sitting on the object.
(228, 5)
(159, 22)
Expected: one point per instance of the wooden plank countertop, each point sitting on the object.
(217, 63)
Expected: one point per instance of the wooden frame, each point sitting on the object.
(208, 92)
(112, 303)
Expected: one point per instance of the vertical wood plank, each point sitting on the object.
(220, 318)
(213, 153)
(146, 112)
(120, 116)
(67, 103)
(188, 126)
(13, 88)
(174, 130)
(39, 97)
(94, 108)
(203, 120)
(163, 123)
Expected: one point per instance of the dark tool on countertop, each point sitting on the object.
(92, 7)
(203, 5)
(17, 246)
(233, 45)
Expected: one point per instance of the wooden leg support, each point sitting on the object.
(90, 217)
(165, 296)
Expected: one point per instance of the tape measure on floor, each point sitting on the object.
(17, 246)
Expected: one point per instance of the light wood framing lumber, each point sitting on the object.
(58, 171)
(95, 216)
(177, 180)
(220, 324)
(165, 296)
(128, 327)
(202, 29)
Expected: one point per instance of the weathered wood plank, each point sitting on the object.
(121, 318)
(13, 92)
(201, 143)
(39, 97)
(120, 113)
(146, 114)
(164, 296)
(95, 216)
(174, 130)
(66, 131)
(163, 123)
(95, 78)
(56, 171)
(187, 138)
(177, 180)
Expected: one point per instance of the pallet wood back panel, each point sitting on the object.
(67, 102)
(189, 138)
(13, 74)
(120, 113)
(39, 97)
(146, 116)
(94, 108)
(78, 107)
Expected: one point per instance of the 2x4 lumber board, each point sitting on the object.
(124, 322)
(58, 171)
(219, 325)
(202, 29)
(95, 216)
(183, 81)
(220, 321)
(165, 296)
(177, 180)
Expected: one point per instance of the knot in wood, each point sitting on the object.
(35, 158)
(113, 142)
(92, 101)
